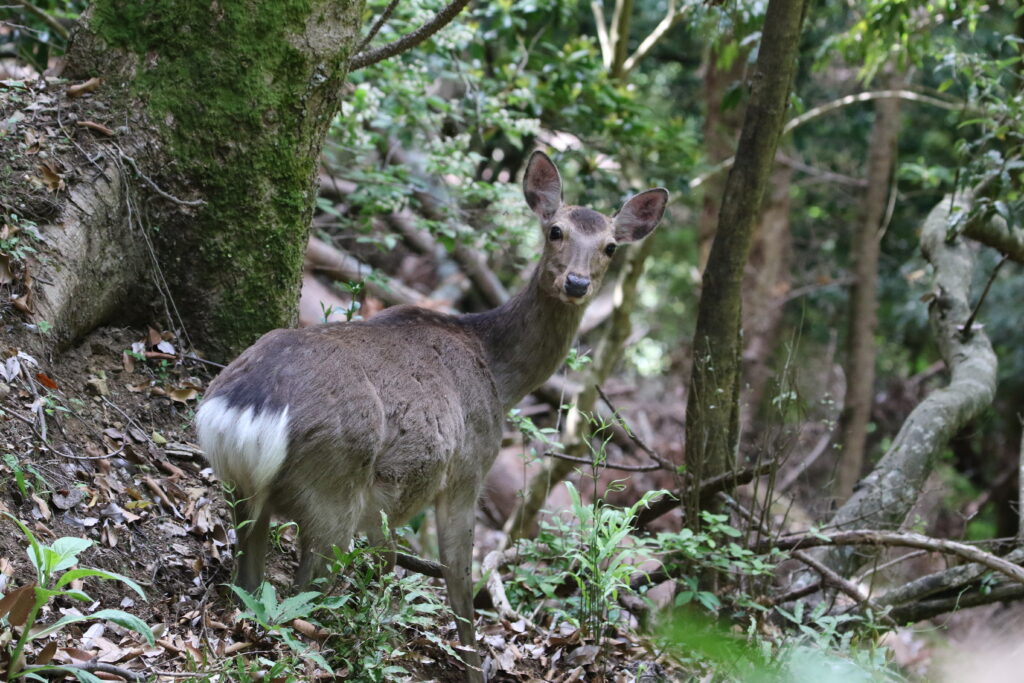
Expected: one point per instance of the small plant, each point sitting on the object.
(20, 608)
(360, 625)
(590, 550)
(577, 361)
(26, 487)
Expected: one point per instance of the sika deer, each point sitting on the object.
(333, 424)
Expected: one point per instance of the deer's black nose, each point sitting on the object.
(576, 285)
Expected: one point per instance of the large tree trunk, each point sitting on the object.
(863, 321)
(712, 415)
(219, 112)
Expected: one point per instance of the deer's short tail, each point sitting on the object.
(246, 448)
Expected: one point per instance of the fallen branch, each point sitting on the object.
(490, 568)
(926, 609)
(419, 565)
(871, 537)
(708, 488)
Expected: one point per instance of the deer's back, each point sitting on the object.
(404, 401)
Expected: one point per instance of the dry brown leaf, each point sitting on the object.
(22, 304)
(153, 337)
(17, 604)
(50, 177)
(46, 381)
(6, 276)
(183, 395)
(44, 657)
(80, 89)
(44, 509)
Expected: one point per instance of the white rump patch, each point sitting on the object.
(244, 448)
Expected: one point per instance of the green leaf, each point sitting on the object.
(83, 572)
(128, 621)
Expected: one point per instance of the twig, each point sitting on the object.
(409, 40)
(841, 584)
(673, 16)
(156, 188)
(829, 107)
(384, 16)
(708, 488)
(52, 22)
(795, 594)
(71, 455)
(902, 540)
(632, 436)
(419, 565)
(968, 328)
(605, 465)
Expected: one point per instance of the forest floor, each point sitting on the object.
(99, 445)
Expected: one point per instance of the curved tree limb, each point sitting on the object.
(829, 107)
(999, 235)
(884, 498)
(409, 40)
(673, 15)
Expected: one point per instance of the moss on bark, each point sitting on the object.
(241, 95)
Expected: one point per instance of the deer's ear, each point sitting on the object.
(542, 186)
(640, 215)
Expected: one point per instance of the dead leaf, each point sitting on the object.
(6, 276)
(46, 381)
(50, 177)
(80, 89)
(17, 604)
(46, 655)
(153, 337)
(183, 395)
(44, 509)
(22, 304)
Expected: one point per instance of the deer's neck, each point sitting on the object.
(526, 339)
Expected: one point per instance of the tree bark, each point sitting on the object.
(224, 107)
(712, 419)
(863, 316)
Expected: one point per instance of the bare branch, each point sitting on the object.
(409, 40)
(830, 107)
(50, 21)
(999, 235)
(381, 20)
(604, 465)
(901, 540)
(602, 33)
(673, 16)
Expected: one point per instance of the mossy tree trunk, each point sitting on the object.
(224, 106)
(712, 415)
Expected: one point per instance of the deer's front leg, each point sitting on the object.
(455, 521)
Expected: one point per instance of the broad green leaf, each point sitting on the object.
(83, 572)
(129, 621)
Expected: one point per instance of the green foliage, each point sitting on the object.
(594, 550)
(364, 621)
(55, 569)
(31, 37)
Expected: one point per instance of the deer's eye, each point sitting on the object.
(555, 234)
(610, 249)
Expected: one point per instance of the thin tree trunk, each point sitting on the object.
(863, 316)
(712, 416)
(767, 282)
(720, 129)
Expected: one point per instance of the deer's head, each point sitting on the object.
(579, 242)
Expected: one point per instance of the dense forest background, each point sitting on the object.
(787, 445)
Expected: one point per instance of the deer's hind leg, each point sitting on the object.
(456, 517)
(252, 523)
